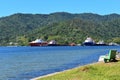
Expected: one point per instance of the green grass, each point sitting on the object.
(97, 71)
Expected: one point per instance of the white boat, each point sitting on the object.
(101, 43)
(52, 43)
(89, 42)
(113, 44)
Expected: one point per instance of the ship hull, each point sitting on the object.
(88, 44)
(38, 44)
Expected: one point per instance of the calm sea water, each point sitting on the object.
(24, 63)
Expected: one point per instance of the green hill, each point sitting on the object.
(61, 26)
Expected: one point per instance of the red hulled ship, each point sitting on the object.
(38, 42)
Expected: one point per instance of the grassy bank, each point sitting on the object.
(97, 71)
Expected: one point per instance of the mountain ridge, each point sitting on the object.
(20, 26)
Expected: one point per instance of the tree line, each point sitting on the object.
(65, 28)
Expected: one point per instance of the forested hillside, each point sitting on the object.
(61, 26)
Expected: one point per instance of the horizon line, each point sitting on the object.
(58, 12)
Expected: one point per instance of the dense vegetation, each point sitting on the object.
(20, 29)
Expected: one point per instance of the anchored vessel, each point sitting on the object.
(89, 42)
(38, 42)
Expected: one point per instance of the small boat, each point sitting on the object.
(72, 44)
(38, 42)
(101, 43)
(113, 44)
(89, 42)
(52, 43)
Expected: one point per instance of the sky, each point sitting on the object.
(102, 7)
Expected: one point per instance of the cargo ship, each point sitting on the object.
(38, 42)
(89, 42)
(53, 43)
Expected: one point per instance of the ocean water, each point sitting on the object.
(24, 63)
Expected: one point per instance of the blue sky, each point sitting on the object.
(102, 7)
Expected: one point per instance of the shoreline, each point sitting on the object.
(51, 74)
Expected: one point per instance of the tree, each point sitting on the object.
(22, 40)
(116, 40)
